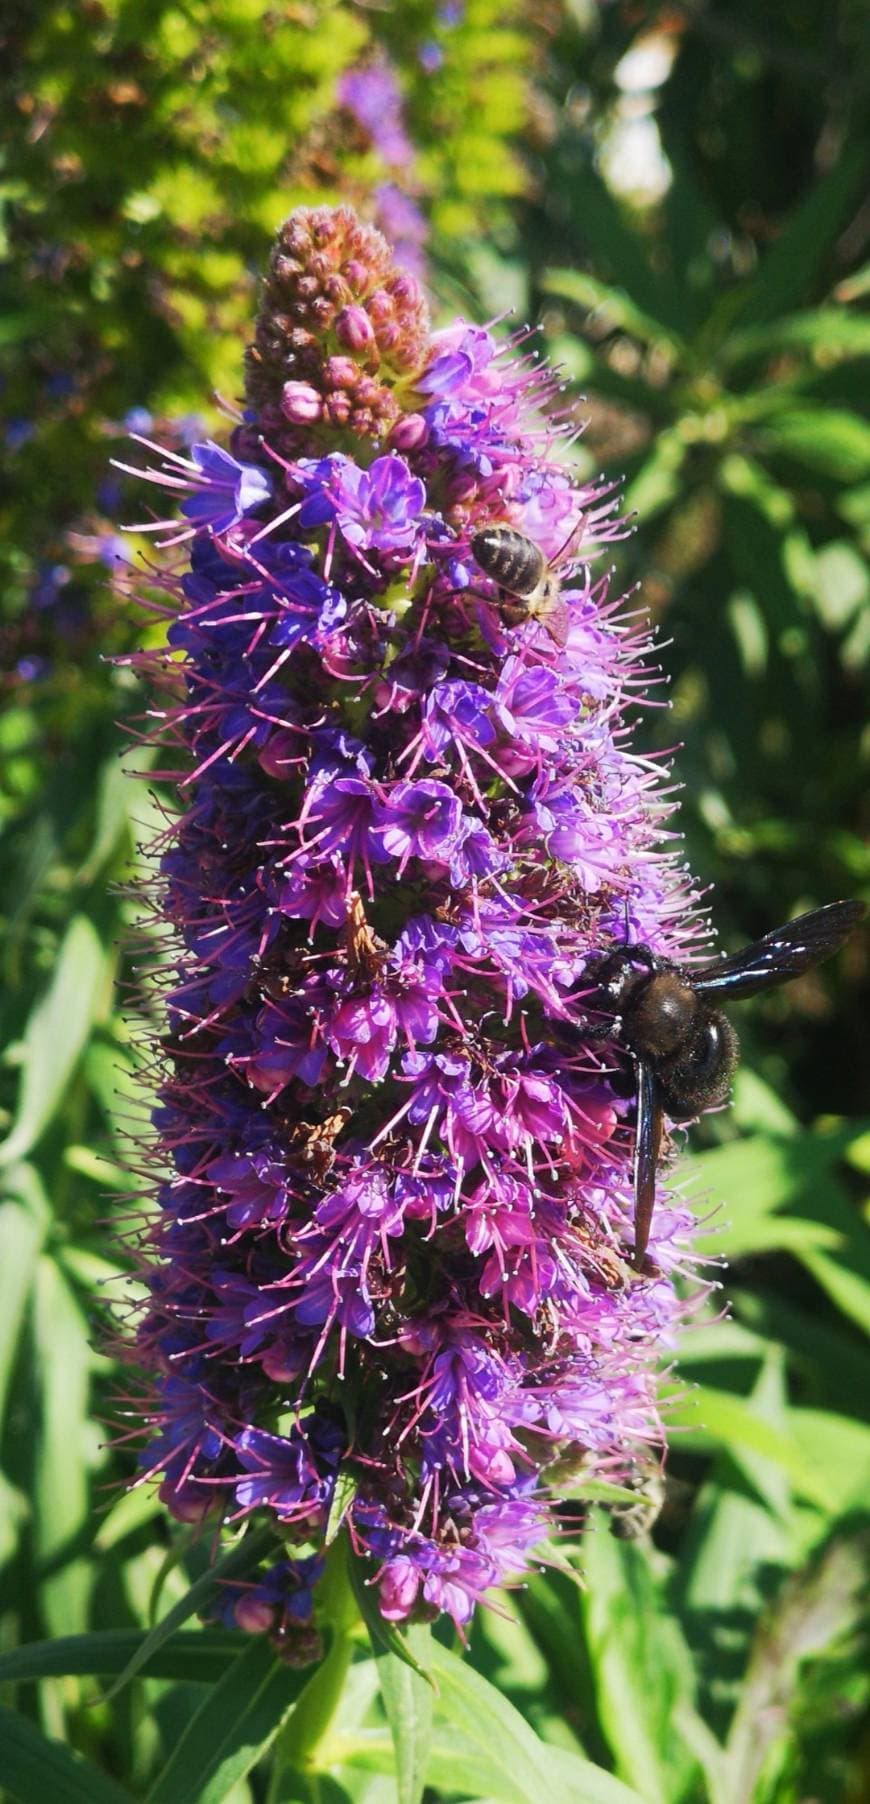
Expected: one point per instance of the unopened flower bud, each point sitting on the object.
(254, 1614)
(409, 433)
(300, 403)
(340, 372)
(354, 329)
(380, 306)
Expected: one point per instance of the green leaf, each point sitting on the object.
(61, 1490)
(14, 1514)
(829, 439)
(24, 1216)
(240, 1559)
(385, 1637)
(346, 1486)
(231, 1730)
(841, 1446)
(131, 1511)
(790, 266)
(597, 1490)
(711, 1417)
(642, 1670)
(817, 1606)
(657, 482)
(826, 329)
(613, 306)
(408, 1702)
(844, 1286)
(751, 1179)
(112, 797)
(842, 586)
(56, 1034)
(203, 1656)
(508, 1756)
(458, 1766)
(37, 1771)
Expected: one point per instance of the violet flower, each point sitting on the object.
(394, 1239)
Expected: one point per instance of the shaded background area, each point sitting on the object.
(678, 195)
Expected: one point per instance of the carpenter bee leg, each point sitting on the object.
(648, 1140)
(600, 1030)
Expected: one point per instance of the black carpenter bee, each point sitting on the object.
(530, 588)
(685, 1050)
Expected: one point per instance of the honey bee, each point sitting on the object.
(312, 1143)
(529, 587)
(364, 951)
(630, 1521)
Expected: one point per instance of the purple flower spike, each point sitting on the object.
(394, 1245)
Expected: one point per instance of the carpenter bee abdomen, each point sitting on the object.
(698, 1075)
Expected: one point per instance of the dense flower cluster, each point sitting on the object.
(390, 1273)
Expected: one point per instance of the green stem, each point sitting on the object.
(300, 1746)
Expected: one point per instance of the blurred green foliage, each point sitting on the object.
(156, 148)
(710, 299)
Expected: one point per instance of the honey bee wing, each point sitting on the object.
(647, 1145)
(780, 955)
(557, 620)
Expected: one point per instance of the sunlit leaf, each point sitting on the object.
(642, 1670)
(62, 1492)
(24, 1217)
(709, 1417)
(56, 1034)
(126, 1516)
(506, 1749)
(409, 1703)
(828, 329)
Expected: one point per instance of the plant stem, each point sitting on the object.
(300, 1746)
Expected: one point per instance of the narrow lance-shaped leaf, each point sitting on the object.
(508, 1756)
(201, 1656)
(409, 1703)
(240, 1559)
(62, 1492)
(24, 1215)
(56, 1034)
(34, 1770)
(231, 1730)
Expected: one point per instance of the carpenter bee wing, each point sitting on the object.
(647, 1144)
(781, 955)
